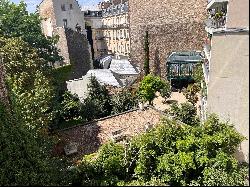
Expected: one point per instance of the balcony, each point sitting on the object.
(216, 22)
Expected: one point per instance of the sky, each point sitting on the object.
(31, 4)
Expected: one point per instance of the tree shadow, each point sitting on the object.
(170, 101)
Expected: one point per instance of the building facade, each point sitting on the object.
(172, 26)
(95, 34)
(115, 27)
(226, 67)
(64, 18)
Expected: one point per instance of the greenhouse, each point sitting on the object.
(180, 66)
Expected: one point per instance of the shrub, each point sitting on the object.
(171, 154)
(185, 112)
(123, 101)
(191, 93)
(150, 85)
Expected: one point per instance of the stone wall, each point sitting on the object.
(172, 25)
(79, 53)
(62, 45)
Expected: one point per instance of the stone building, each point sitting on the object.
(65, 19)
(172, 25)
(115, 27)
(226, 68)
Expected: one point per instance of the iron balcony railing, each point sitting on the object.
(216, 23)
(124, 25)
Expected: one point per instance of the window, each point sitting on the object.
(63, 7)
(65, 23)
(70, 6)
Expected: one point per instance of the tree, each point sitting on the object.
(146, 49)
(198, 73)
(30, 90)
(15, 21)
(70, 107)
(25, 155)
(150, 85)
(185, 112)
(191, 93)
(171, 154)
(123, 101)
(98, 100)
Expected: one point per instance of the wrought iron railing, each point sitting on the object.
(216, 23)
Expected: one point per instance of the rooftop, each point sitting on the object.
(90, 137)
(104, 77)
(185, 57)
(122, 67)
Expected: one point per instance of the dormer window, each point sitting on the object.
(63, 7)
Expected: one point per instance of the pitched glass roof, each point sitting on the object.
(185, 57)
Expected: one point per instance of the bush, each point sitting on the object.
(150, 85)
(123, 101)
(191, 93)
(185, 112)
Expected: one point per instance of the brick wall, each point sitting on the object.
(173, 26)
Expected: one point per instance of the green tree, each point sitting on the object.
(98, 101)
(123, 101)
(29, 87)
(25, 155)
(150, 85)
(174, 154)
(146, 49)
(198, 73)
(191, 92)
(70, 107)
(185, 112)
(15, 21)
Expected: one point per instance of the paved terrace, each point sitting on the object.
(91, 136)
